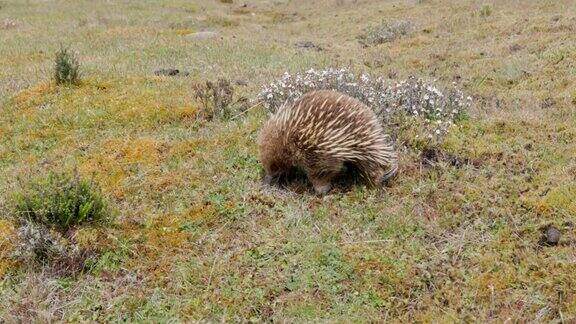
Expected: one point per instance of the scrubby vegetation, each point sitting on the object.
(61, 200)
(49, 212)
(477, 227)
(66, 68)
(385, 32)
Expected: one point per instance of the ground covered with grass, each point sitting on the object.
(195, 235)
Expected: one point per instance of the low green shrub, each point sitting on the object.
(67, 68)
(61, 200)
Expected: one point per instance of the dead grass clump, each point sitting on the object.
(67, 68)
(280, 17)
(221, 21)
(385, 32)
(217, 99)
(53, 251)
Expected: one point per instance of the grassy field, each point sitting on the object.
(197, 236)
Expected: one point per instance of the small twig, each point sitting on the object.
(369, 241)
(247, 110)
(211, 273)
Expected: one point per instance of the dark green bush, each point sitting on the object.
(61, 200)
(67, 68)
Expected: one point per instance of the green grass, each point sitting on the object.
(197, 237)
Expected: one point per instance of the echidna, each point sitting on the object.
(320, 133)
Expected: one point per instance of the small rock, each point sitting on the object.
(551, 236)
(516, 47)
(167, 72)
(308, 45)
(171, 72)
(203, 35)
(548, 103)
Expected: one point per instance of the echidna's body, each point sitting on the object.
(321, 132)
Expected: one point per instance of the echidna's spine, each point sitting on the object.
(324, 129)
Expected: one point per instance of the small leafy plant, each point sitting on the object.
(61, 201)
(67, 68)
(485, 11)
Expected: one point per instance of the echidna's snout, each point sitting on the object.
(390, 174)
(268, 179)
(322, 189)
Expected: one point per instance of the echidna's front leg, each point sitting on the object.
(377, 174)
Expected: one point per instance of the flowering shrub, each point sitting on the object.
(414, 98)
(439, 110)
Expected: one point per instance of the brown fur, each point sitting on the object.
(319, 133)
